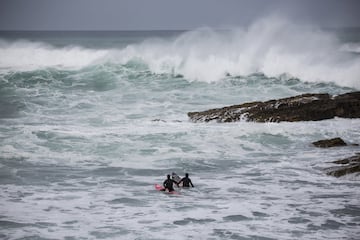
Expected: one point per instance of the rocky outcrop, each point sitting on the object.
(306, 107)
(334, 142)
(348, 166)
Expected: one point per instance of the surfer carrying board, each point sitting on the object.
(168, 184)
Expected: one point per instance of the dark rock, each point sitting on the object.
(161, 120)
(158, 120)
(348, 105)
(349, 165)
(334, 142)
(353, 159)
(306, 107)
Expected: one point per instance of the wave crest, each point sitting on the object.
(25, 55)
(272, 46)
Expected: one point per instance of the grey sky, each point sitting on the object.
(168, 14)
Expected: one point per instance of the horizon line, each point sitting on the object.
(143, 30)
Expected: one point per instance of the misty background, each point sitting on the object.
(17, 15)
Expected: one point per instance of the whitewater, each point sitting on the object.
(91, 121)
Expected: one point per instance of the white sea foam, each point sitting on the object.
(273, 46)
(88, 172)
(78, 161)
(25, 55)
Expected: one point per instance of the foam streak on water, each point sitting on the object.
(86, 130)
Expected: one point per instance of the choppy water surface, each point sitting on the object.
(90, 122)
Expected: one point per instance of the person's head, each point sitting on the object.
(186, 175)
(168, 176)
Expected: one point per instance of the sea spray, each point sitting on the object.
(273, 46)
(86, 132)
(270, 46)
(26, 56)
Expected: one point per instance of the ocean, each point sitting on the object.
(91, 121)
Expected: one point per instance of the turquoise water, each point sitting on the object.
(89, 122)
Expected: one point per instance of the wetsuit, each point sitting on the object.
(168, 184)
(186, 182)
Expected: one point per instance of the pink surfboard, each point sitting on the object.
(161, 188)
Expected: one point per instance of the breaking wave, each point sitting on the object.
(272, 46)
(23, 55)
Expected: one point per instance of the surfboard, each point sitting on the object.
(175, 177)
(161, 188)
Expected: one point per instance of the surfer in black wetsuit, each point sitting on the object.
(186, 181)
(168, 184)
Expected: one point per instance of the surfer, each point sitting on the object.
(186, 181)
(168, 184)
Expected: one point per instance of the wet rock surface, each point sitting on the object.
(343, 166)
(334, 142)
(306, 107)
(347, 166)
